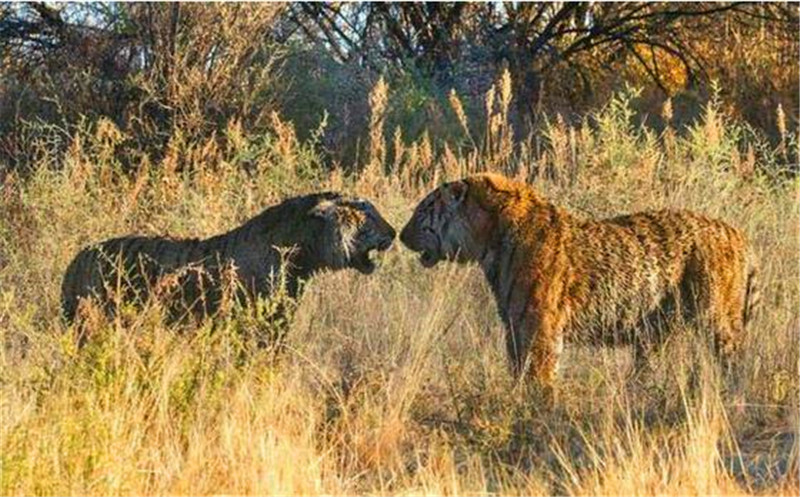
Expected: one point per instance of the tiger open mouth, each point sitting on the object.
(366, 262)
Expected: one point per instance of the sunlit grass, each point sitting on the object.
(394, 383)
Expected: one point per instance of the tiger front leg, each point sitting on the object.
(516, 348)
(534, 349)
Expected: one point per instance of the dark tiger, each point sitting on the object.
(285, 244)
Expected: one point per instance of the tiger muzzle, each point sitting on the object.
(410, 238)
(364, 261)
(407, 237)
(385, 244)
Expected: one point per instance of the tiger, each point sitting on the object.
(285, 244)
(556, 277)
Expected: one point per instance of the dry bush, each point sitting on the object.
(158, 72)
(397, 382)
(212, 63)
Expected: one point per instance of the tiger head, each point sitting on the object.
(454, 221)
(351, 230)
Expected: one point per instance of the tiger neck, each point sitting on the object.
(517, 240)
(496, 256)
(228, 245)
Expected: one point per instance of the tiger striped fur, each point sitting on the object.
(295, 239)
(559, 278)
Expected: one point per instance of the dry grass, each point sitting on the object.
(394, 383)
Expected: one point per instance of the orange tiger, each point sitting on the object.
(557, 277)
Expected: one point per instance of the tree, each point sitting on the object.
(536, 41)
(150, 68)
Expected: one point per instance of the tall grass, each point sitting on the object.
(394, 383)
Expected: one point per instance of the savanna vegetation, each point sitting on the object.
(188, 119)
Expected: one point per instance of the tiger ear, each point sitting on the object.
(454, 193)
(325, 210)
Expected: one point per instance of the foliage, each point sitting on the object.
(670, 47)
(152, 69)
(396, 382)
